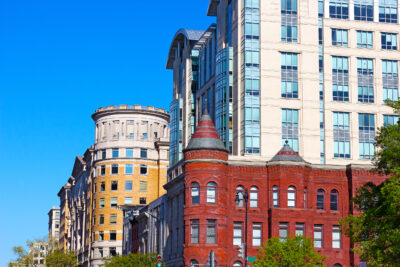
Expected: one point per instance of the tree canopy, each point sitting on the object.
(61, 258)
(137, 259)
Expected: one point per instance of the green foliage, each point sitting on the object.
(375, 230)
(294, 252)
(137, 259)
(23, 259)
(61, 258)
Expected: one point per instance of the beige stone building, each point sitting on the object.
(315, 73)
(54, 224)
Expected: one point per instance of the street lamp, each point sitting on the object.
(243, 195)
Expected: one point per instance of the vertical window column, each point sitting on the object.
(388, 11)
(341, 134)
(365, 73)
(289, 21)
(289, 75)
(363, 10)
(390, 80)
(339, 9)
(340, 78)
(366, 127)
(290, 128)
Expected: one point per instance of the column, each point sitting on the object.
(376, 10)
(326, 9)
(351, 9)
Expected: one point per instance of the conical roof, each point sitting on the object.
(287, 154)
(205, 136)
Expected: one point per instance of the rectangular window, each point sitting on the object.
(366, 127)
(142, 201)
(113, 251)
(283, 231)
(113, 218)
(114, 202)
(114, 185)
(336, 242)
(318, 235)
(103, 170)
(143, 186)
(143, 169)
(101, 203)
(300, 229)
(389, 41)
(115, 152)
(257, 234)
(143, 153)
(101, 235)
(289, 21)
(100, 252)
(128, 200)
(290, 128)
(211, 231)
(101, 219)
(102, 186)
(103, 154)
(364, 39)
(114, 169)
(128, 185)
(365, 71)
(388, 11)
(339, 9)
(340, 78)
(341, 134)
(363, 10)
(113, 235)
(131, 136)
(129, 152)
(339, 37)
(390, 119)
(194, 231)
(390, 80)
(144, 136)
(237, 233)
(289, 75)
(57, 215)
(128, 168)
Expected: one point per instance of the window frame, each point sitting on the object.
(291, 197)
(320, 204)
(193, 187)
(211, 192)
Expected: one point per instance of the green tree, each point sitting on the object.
(294, 252)
(61, 258)
(137, 259)
(23, 258)
(375, 231)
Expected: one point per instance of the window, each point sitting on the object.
(57, 215)
(339, 9)
(317, 235)
(128, 185)
(100, 252)
(340, 78)
(101, 203)
(194, 263)
(195, 193)
(257, 236)
(390, 119)
(143, 169)
(366, 128)
(128, 168)
(365, 71)
(253, 197)
(291, 196)
(388, 11)
(115, 152)
(389, 41)
(364, 39)
(239, 196)
(101, 235)
(142, 201)
(390, 80)
(103, 154)
(275, 196)
(336, 242)
(129, 152)
(102, 186)
(339, 265)
(363, 10)
(143, 186)
(211, 231)
(114, 202)
(334, 199)
(320, 199)
(237, 233)
(341, 134)
(114, 185)
(194, 231)
(113, 251)
(211, 192)
(114, 169)
(56, 233)
(300, 229)
(339, 37)
(131, 136)
(144, 136)
(143, 153)
(283, 231)
(103, 170)
(128, 200)
(289, 75)
(113, 218)
(290, 128)
(113, 235)
(289, 21)
(237, 264)
(101, 219)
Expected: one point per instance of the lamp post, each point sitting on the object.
(244, 195)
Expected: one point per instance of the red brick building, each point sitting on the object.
(287, 196)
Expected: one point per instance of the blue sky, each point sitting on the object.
(59, 61)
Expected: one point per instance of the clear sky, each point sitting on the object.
(59, 61)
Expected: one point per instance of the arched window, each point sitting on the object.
(211, 192)
(237, 264)
(320, 199)
(194, 263)
(337, 265)
(275, 196)
(334, 199)
(239, 194)
(291, 196)
(195, 193)
(253, 197)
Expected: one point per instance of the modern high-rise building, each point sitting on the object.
(54, 224)
(314, 73)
